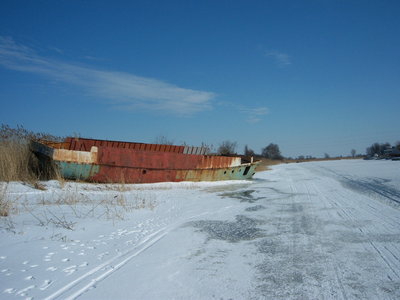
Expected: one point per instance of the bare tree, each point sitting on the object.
(227, 148)
(272, 152)
(353, 153)
(248, 151)
(377, 149)
(373, 149)
(385, 146)
(209, 147)
(163, 140)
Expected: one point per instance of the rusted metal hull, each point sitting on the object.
(116, 162)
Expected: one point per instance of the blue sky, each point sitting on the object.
(314, 77)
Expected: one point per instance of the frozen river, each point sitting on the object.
(323, 230)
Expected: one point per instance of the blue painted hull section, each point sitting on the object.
(71, 170)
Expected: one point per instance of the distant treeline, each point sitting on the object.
(273, 152)
(379, 149)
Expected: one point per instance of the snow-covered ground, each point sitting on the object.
(301, 231)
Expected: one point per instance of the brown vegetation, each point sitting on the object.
(266, 163)
(5, 205)
(17, 162)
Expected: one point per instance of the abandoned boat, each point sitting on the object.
(106, 161)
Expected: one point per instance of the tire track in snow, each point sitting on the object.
(338, 197)
(373, 185)
(388, 256)
(357, 211)
(95, 275)
(330, 266)
(85, 282)
(302, 263)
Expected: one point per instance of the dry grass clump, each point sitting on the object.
(8, 202)
(109, 204)
(5, 204)
(17, 162)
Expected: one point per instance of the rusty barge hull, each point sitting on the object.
(115, 162)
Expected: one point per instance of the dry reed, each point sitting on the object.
(17, 162)
(5, 205)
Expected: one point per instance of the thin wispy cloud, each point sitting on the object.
(55, 49)
(281, 59)
(121, 89)
(254, 115)
(250, 114)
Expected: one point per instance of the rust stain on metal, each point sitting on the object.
(83, 144)
(114, 161)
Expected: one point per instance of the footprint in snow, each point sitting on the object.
(48, 256)
(70, 269)
(101, 255)
(9, 291)
(84, 264)
(46, 284)
(52, 269)
(23, 291)
(5, 272)
(30, 277)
